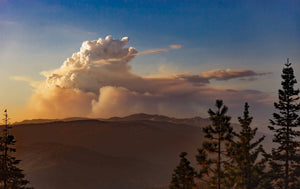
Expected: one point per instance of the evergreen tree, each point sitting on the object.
(212, 155)
(11, 177)
(184, 174)
(285, 159)
(244, 170)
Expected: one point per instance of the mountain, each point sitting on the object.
(38, 121)
(195, 121)
(128, 154)
(134, 152)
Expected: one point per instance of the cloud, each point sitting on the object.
(175, 46)
(192, 78)
(153, 51)
(230, 74)
(97, 82)
(32, 82)
(97, 64)
(221, 75)
(56, 102)
(159, 50)
(19, 78)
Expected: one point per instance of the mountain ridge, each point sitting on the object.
(196, 121)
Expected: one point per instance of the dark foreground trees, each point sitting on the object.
(212, 155)
(184, 174)
(285, 159)
(237, 160)
(11, 177)
(246, 168)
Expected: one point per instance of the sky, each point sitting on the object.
(163, 56)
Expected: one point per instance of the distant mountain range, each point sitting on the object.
(194, 121)
(138, 151)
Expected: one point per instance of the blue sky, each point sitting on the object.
(231, 27)
(256, 35)
(223, 28)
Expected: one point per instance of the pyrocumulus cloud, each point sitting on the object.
(97, 81)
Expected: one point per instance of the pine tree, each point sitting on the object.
(184, 174)
(245, 170)
(285, 159)
(212, 155)
(11, 177)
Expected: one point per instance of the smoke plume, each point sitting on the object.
(97, 82)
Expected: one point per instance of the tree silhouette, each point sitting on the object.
(212, 155)
(11, 176)
(285, 159)
(245, 171)
(184, 174)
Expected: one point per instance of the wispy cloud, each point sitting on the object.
(221, 75)
(159, 50)
(20, 78)
(231, 74)
(153, 51)
(32, 82)
(175, 46)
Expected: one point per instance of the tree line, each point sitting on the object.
(230, 159)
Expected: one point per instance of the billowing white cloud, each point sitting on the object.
(97, 64)
(97, 81)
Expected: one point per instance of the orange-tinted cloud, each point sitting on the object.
(175, 46)
(153, 51)
(159, 50)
